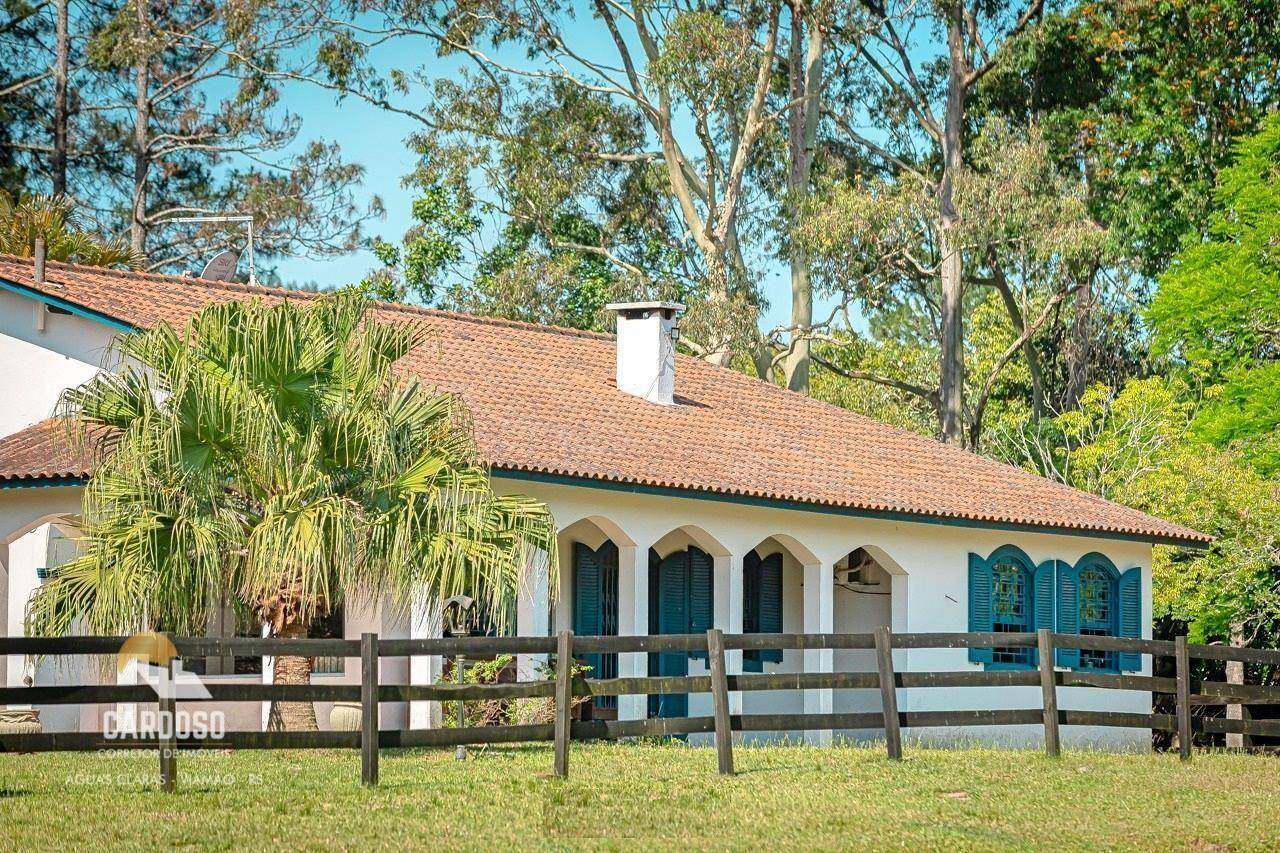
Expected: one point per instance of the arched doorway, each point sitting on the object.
(682, 600)
(867, 593)
(590, 594)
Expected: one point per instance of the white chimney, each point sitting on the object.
(647, 335)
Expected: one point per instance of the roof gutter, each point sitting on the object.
(42, 482)
(825, 509)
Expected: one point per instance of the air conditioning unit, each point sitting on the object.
(862, 571)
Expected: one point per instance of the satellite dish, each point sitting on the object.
(222, 266)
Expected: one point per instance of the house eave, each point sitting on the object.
(826, 509)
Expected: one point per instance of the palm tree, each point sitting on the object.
(54, 218)
(271, 452)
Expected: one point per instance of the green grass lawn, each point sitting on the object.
(646, 796)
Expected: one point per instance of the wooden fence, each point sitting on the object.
(564, 688)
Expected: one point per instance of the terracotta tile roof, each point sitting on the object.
(43, 451)
(544, 401)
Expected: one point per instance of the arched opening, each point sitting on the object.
(590, 592)
(32, 551)
(773, 602)
(683, 591)
(869, 594)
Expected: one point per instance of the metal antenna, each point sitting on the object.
(246, 219)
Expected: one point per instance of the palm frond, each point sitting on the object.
(270, 452)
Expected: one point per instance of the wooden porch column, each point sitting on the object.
(819, 618)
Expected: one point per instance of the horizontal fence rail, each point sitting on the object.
(566, 688)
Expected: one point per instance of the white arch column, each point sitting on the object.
(819, 618)
(533, 612)
(727, 587)
(633, 621)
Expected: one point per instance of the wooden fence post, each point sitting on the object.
(369, 709)
(564, 700)
(168, 707)
(1182, 660)
(888, 693)
(720, 700)
(1049, 692)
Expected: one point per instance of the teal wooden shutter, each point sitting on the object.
(1044, 583)
(587, 613)
(752, 661)
(1068, 611)
(586, 591)
(701, 594)
(979, 604)
(655, 626)
(673, 618)
(770, 598)
(1130, 589)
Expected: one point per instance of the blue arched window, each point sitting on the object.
(1097, 600)
(1097, 614)
(1010, 607)
(1008, 594)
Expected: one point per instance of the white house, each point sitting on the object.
(687, 496)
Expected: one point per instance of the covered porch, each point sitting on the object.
(639, 569)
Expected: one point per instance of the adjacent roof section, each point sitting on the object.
(42, 454)
(544, 402)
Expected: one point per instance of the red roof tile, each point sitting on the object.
(43, 451)
(544, 401)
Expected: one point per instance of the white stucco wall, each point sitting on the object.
(929, 563)
(36, 365)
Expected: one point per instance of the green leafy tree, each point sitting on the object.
(1217, 309)
(271, 452)
(1145, 99)
(1140, 446)
(1027, 241)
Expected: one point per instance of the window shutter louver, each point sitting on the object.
(587, 612)
(770, 598)
(586, 591)
(1068, 611)
(751, 658)
(1130, 589)
(673, 601)
(979, 604)
(1045, 581)
(701, 594)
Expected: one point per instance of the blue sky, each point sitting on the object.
(375, 139)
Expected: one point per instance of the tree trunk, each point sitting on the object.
(951, 367)
(806, 93)
(61, 62)
(1235, 675)
(141, 129)
(1079, 349)
(292, 716)
(1019, 323)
